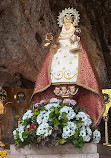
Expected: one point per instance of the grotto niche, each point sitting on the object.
(23, 26)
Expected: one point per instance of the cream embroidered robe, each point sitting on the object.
(64, 66)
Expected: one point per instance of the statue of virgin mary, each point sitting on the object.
(68, 72)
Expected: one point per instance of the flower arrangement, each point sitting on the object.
(3, 153)
(56, 122)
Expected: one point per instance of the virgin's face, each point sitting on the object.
(67, 22)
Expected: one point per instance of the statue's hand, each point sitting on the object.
(49, 37)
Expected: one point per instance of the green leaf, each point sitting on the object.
(80, 139)
(64, 124)
(64, 114)
(65, 104)
(77, 131)
(25, 136)
(43, 109)
(56, 122)
(78, 125)
(50, 123)
(36, 113)
(75, 135)
(80, 145)
(75, 142)
(62, 141)
(78, 142)
(51, 114)
(65, 120)
(36, 110)
(57, 111)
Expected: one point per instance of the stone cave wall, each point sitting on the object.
(24, 24)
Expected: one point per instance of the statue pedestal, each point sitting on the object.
(62, 151)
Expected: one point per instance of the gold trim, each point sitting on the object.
(64, 75)
(67, 32)
(38, 91)
(106, 129)
(63, 38)
(74, 50)
(69, 78)
(58, 74)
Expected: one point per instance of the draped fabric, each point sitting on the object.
(90, 94)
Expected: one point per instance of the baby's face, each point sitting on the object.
(72, 88)
(64, 89)
(57, 89)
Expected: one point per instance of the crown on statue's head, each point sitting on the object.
(68, 12)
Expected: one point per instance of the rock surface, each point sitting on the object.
(24, 24)
(61, 151)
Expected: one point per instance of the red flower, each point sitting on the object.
(31, 126)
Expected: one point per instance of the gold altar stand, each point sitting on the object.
(107, 98)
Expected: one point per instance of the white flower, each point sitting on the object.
(69, 130)
(86, 133)
(28, 126)
(97, 133)
(87, 138)
(43, 117)
(27, 115)
(89, 132)
(15, 133)
(85, 118)
(96, 136)
(55, 100)
(70, 112)
(83, 131)
(44, 129)
(21, 130)
(48, 106)
(89, 121)
(20, 136)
